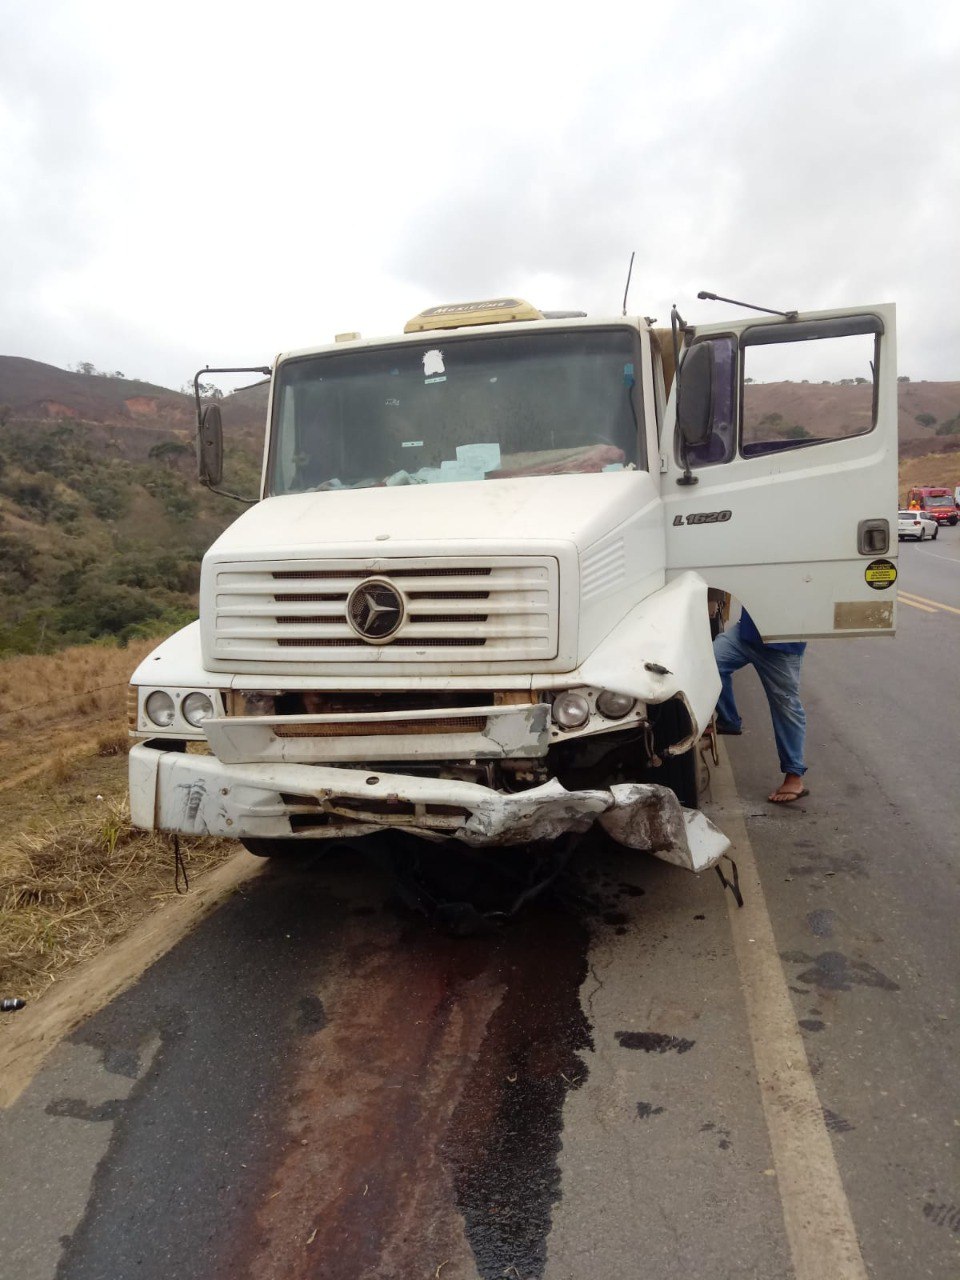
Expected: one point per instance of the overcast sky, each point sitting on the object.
(206, 182)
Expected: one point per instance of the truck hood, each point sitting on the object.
(412, 519)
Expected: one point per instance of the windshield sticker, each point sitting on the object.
(485, 457)
(880, 574)
(433, 363)
(452, 471)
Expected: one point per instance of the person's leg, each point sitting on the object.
(779, 674)
(730, 654)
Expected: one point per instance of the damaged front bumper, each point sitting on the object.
(199, 795)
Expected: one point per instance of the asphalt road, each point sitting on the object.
(630, 1078)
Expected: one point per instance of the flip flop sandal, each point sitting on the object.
(789, 796)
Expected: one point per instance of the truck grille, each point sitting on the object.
(382, 729)
(506, 611)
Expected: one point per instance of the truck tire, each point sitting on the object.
(679, 773)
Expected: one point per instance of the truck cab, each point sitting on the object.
(471, 602)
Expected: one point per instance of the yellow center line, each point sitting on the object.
(925, 609)
(918, 600)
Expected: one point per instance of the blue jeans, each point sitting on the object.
(779, 674)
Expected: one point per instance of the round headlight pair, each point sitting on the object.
(571, 710)
(161, 709)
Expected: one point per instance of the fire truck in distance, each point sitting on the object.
(938, 502)
(470, 600)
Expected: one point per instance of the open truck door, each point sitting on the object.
(779, 469)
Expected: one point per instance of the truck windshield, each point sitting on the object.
(452, 409)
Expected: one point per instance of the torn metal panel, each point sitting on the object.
(201, 795)
(542, 813)
(651, 818)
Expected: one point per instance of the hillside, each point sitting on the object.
(103, 525)
(102, 522)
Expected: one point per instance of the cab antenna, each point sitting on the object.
(629, 274)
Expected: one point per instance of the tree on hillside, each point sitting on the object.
(926, 419)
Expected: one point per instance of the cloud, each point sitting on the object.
(218, 183)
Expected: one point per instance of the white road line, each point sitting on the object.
(823, 1240)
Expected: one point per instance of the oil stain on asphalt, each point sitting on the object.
(345, 1092)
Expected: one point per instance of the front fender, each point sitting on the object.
(662, 649)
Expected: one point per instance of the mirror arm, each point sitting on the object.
(243, 368)
(688, 477)
(225, 493)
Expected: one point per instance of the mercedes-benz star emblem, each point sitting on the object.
(375, 609)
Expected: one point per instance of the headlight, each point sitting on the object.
(159, 707)
(570, 710)
(195, 708)
(615, 705)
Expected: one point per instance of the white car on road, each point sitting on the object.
(916, 524)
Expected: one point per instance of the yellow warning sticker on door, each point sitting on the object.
(880, 574)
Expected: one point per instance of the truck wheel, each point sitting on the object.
(679, 773)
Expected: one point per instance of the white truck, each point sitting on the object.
(470, 603)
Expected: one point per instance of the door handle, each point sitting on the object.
(873, 537)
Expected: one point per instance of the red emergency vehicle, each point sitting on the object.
(937, 501)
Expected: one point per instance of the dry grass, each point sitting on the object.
(78, 886)
(88, 681)
(74, 874)
(932, 469)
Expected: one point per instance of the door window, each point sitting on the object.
(803, 383)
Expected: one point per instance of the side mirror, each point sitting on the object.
(210, 446)
(695, 395)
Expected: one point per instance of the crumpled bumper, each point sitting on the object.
(198, 795)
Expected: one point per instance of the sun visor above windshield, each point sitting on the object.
(459, 315)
